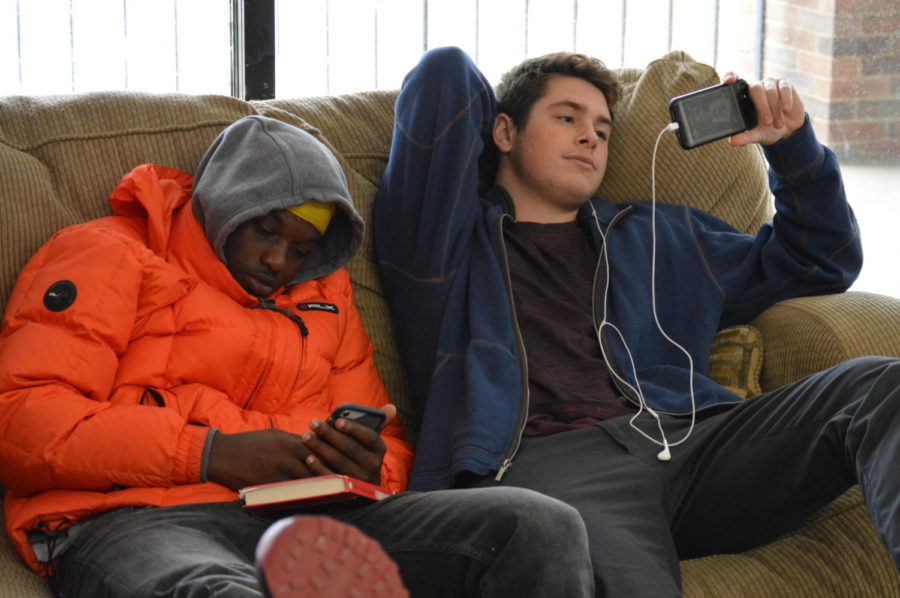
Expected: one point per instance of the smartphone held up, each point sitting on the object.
(713, 113)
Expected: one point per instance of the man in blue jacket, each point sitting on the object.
(544, 356)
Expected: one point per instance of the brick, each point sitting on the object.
(846, 68)
(856, 131)
(821, 88)
(804, 40)
(845, 6)
(777, 30)
(840, 111)
(822, 23)
(781, 13)
(861, 21)
(814, 64)
(788, 35)
(879, 109)
(869, 87)
(821, 132)
(779, 56)
(883, 24)
(874, 152)
(814, 4)
(799, 79)
(860, 46)
(821, 125)
(881, 65)
(816, 108)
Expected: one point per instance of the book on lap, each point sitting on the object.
(307, 492)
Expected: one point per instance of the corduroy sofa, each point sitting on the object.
(61, 155)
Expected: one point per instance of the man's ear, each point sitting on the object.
(504, 132)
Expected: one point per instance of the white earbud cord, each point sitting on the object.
(664, 455)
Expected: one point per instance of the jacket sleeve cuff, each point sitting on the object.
(207, 447)
(189, 454)
(796, 154)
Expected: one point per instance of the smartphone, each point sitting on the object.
(713, 113)
(368, 416)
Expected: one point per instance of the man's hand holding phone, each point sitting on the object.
(763, 112)
(348, 445)
(779, 110)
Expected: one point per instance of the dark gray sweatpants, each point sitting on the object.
(743, 477)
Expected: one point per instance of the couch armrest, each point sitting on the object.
(806, 335)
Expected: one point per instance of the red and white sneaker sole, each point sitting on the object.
(315, 557)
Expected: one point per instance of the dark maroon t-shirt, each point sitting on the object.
(552, 268)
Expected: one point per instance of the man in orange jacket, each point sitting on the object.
(154, 362)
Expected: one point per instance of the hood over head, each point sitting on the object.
(259, 164)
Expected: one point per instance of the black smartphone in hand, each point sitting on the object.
(713, 113)
(368, 416)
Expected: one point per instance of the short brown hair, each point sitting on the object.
(526, 83)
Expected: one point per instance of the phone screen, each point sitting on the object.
(713, 113)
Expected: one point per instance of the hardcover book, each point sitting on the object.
(306, 492)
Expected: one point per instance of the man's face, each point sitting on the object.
(555, 163)
(267, 252)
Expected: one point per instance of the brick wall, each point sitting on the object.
(844, 57)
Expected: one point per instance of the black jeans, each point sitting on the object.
(742, 478)
(487, 543)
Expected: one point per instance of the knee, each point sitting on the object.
(880, 370)
(534, 519)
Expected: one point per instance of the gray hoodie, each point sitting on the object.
(259, 164)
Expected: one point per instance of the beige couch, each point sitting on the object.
(60, 156)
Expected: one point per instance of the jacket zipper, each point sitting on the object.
(523, 358)
(269, 305)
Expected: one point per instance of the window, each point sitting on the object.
(845, 62)
(66, 46)
(342, 46)
(335, 46)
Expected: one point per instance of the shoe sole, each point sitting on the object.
(316, 557)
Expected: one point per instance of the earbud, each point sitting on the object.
(664, 455)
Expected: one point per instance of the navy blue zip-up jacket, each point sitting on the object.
(443, 264)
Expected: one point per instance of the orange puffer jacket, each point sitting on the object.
(109, 385)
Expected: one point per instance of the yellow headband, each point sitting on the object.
(316, 213)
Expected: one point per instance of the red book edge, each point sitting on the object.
(353, 489)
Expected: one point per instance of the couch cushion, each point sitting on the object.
(736, 360)
(836, 554)
(62, 155)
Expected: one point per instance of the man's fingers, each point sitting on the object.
(786, 93)
(316, 466)
(390, 411)
(759, 95)
(341, 452)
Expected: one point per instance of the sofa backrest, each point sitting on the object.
(60, 156)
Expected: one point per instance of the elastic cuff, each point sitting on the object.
(207, 448)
